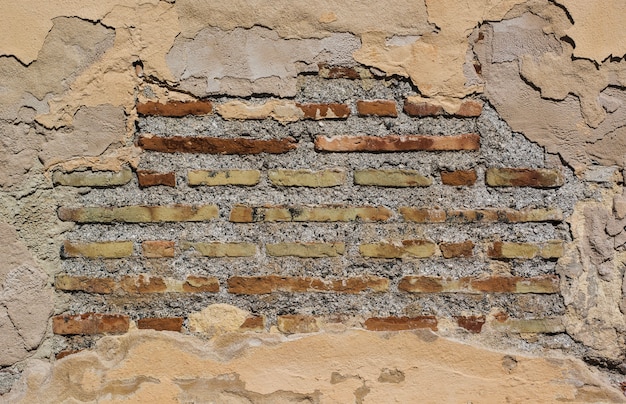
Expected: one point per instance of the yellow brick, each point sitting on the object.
(139, 214)
(307, 178)
(93, 178)
(218, 249)
(226, 177)
(296, 324)
(552, 249)
(391, 178)
(519, 250)
(305, 250)
(105, 249)
(406, 248)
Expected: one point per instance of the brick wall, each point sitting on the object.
(356, 203)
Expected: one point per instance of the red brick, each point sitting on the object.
(397, 143)
(254, 323)
(215, 145)
(158, 249)
(467, 108)
(400, 323)
(89, 324)
(254, 285)
(201, 284)
(457, 250)
(143, 284)
(324, 111)
(377, 108)
(67, 352)
(524, 177)
(150, 179)
(473, 324)
(492, 284)
(161, 324)
(459, 178)
(175, 108)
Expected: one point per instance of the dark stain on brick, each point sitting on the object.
(214, 145)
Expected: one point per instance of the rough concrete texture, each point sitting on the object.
(551, 72)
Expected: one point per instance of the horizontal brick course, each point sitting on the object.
(90, 324)
(459, 177)
(225, 177)
(524, 177)
(422, 107)
(161, 323)
(391, 178)
(404, 248)
(158, 249)
(136, 284)
(103, 249)
(464, 249)
(400, 323)
(175, 108)
(84, 284)
(492, 284)
(305, 250)
(139, 214)
(397, 143)
(325, 111)
(424, 215)
(248, 214)
(307, 178)
(201, 284)
(147, 178)
(507, 250)
(253, 323)
(93, 178)
(273, 283)
(220, 249)
(385, 108)
(215, 145)
(143, 284)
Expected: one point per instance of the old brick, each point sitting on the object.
(324, 111)
(473, 324)
(505, 250)
(534, 325)
(457, 250)
(469, 109)
(492, 284)
(423, 215)
(148, 178)
(400, 323)
(143, 284)
(246, 214)
(305, 250)
(421, 109)
(175, 108)
(342, 72)
(226, 177)
(139, 214)
(69, 283)
(89, 324)
(459, 177)
(93, 178)
(67, 352)
(377, 108)
(307, 178)
(254, 285)
(84, 284)
(391, 178)
(397, 143)
(297, 324)
(103, 249)
(253, 323)
(201, 284)
(158, 249)
(220, 249)
(160, 323)
(215, 145)
(405, 248)
(524, 177)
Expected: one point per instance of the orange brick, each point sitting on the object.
(201, 284)
(84, 284)
(143, 284)
(254, 323)
(492, 284)
(158, 249)
(397, 143)
(297, 324)
(161, 324)
(459, 178)
(457, 250)
(89, 324)
(324, 111)
(175, 108)
(400, 323)
(524, 177)
(272, 283)
(340, 72)
(377, 108)
(147, 178)
(67, 352)
(473, 324)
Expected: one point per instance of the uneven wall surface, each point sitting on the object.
(313, 202)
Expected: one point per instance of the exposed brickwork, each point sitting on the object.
(377, 108)
(269, 284)
(422, 108)
(161, 324)
(400, 323)
(84, 284)
(325, 111)
(341, 72)
(464, 249)
(105, 249)
(139, 214)
(396, 143)
(201, 284)
(404, 248)
(422, 215)
(219, 249)
(148, 178)
(158, 249)
(215, 145)
(255, 323)
(175, 108)
(305, 250)
(93, 178)
(473, 324)
(391, 178)
(505, 250)
(89, 324)
(297, 324)
(459, 178)
(247, 214)
(226, 177)
(143, 284)
(492, 284)
(524, 177)
(307, 178)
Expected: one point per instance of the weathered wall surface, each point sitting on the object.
(502, 225)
